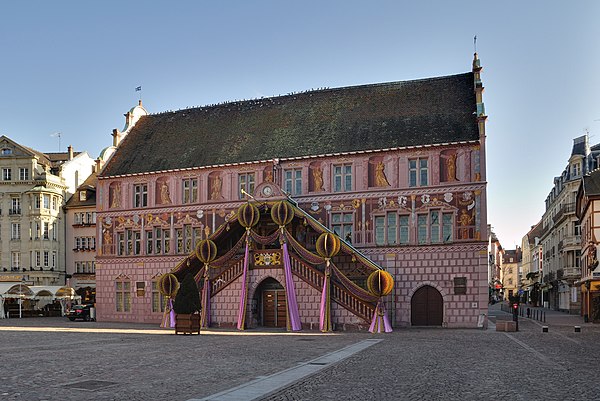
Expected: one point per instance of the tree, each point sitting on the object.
(187, 300)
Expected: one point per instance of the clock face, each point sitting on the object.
(267, 191)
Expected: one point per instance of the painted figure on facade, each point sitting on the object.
(451, 167)
(269, 176)
(116, 196)
(380, 178)
(318, 178)
(165, 196)
(216, 188)
(465, 220)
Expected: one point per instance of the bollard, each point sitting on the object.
(577, 329)
(544, 317)
(544, 329)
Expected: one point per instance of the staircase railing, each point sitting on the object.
(226, 277)
(339, 294)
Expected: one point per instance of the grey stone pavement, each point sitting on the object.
(54, 359)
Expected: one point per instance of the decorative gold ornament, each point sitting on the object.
(380, 283)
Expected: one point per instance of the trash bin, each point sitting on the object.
(93, 313)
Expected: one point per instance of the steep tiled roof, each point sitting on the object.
(367, 117)
(89, 185)
(591, 183)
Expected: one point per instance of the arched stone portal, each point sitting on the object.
(269, 304)
(427, 307)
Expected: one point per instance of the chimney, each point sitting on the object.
(70, 150)
(98, 165)
(116, 137)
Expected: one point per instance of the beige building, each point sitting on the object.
(33, 189)
(510, 272)
(80, 218)
(561, 239)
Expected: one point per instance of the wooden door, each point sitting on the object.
(274, 308)
(427, 307)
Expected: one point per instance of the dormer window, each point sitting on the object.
(576, 169)
(82, 195)
(6, 151)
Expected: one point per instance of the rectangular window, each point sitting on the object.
(158, 300)
(46, 258)
(246, 182)
(23, 174)
(137, 243)
(386, 229)
(7, 174)
(179, 240)
(54, 228)
(93, 267)
(38, 258)
(54, 203)
(189, 238)
(123, 295)
(293, 181)
(403, 223)
(190, 190)
(447, 227)
(422, 228)
(46, 199)
(15, 231)
(121, 244)
(15, 206)
(46, 230)
(418, 173)
(36, 201)
(53, 259)
(149, 242)
(342, 224)
(129, 242)
(15, 260)
(342, 178)
(434, 225)
(140, 195)
(158, 239)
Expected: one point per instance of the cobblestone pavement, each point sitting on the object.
(47, 359)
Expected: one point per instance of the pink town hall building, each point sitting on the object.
(397, 170)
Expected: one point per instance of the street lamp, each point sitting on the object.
(21, 297)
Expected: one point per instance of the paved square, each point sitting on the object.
(54, 359)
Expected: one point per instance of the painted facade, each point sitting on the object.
(418, 210)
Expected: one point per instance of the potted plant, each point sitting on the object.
(187, 307)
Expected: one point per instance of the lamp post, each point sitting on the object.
(21, 297)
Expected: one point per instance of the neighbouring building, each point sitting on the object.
(510, 272)
(397, 170)
(560, 239)
(531, 266)
(588, 212)
(80, 219)
(494, 271)
(33, 189)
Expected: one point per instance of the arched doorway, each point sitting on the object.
(427, 307)
(270, 304)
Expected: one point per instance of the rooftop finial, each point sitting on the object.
(475, 44)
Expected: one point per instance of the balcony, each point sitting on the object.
(570, 241)
(566, 210)
(571, 272)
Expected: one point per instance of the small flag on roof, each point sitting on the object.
(138, 88)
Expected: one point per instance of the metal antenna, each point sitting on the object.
(475, 43)
(57, 134)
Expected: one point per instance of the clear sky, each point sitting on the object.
(72, 67)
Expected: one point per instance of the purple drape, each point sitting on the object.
(292, 304)
(171, 313)
(243, 292)
(205, 316)
(380, 322)
(325, 314)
